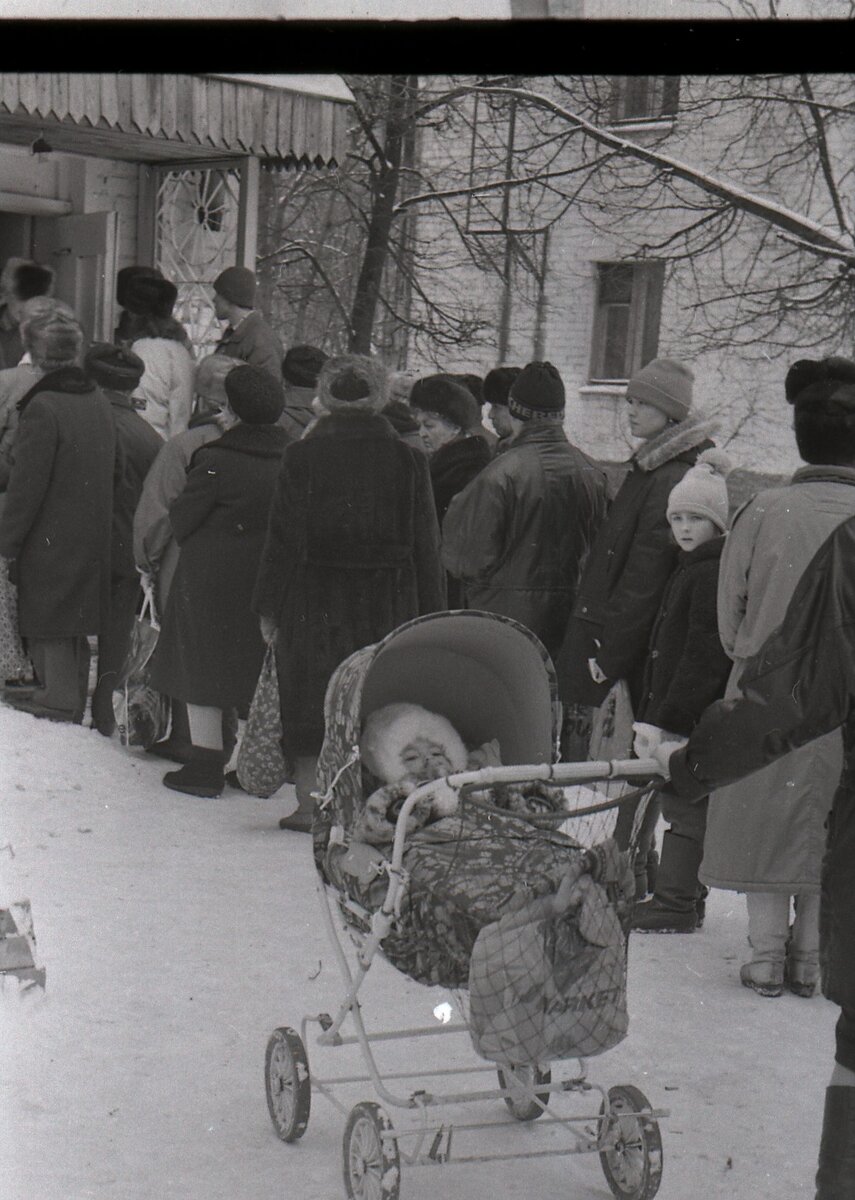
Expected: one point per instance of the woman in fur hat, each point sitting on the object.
(352, 551)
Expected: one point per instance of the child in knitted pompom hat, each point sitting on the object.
(686, 669)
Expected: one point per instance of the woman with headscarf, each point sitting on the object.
(352, 552)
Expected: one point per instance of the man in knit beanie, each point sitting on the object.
(516, 536)
(247, 335)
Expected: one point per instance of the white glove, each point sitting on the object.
(647, 738)
(662, 753)
(596, 674)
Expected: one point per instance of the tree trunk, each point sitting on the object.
(402, 88)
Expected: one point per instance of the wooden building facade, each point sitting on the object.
(99, 171)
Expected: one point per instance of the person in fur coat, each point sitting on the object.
(352, 551)
(686, 669)
(634, 554)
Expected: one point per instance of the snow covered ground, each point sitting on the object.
(178, 933)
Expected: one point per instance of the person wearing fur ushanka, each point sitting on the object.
(210, 650)
(352, 551)
(686, 669)
(634, 554)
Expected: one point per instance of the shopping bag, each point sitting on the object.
(142, 714)
(542, 989)
(611, 732)
(262, 767)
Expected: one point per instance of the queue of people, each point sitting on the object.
(312, 503)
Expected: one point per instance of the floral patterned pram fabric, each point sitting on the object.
(464, 872)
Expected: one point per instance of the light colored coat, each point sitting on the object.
(766, 833)
(166, 386)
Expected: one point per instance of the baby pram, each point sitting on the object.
(492, 679)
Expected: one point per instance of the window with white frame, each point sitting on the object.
(626, 319)
(644, 97)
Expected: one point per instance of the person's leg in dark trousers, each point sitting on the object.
(113, 644)
(645, 860)
(678, 892)
(62, 665)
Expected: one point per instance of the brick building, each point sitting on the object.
(589, 294)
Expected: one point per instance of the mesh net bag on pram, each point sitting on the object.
(512, 887)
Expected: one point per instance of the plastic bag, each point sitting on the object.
(611, 733)
(142, 714)
(546, 989)
(262, 767)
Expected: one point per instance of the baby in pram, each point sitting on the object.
(470, 860)
(405, 745)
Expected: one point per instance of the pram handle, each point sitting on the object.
(559, 773)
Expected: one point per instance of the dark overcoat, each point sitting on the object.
(797, 687)
(210, 648)
(518, 534)
(630, 563)
(454, 465)
(686, 667)
(137, 446)
(352, 552)
(59, 507)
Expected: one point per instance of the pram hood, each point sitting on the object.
(489, 675)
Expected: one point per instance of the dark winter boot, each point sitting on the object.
(835, 1179)
(673, 908)
(701, 905)
(201, 776)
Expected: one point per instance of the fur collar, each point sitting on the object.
(674, 441)
(65, 380)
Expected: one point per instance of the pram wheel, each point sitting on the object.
(286, 1079)
(521, 1082)
(632, 1164)
(372, 1164)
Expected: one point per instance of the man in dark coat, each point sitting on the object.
(117, 372)
(497, 390)
(56, 527)
(301, 367)
(518, 534)
(248, 336)
(352, 551)
(799, 686)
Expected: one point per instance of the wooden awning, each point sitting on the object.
(162, 118)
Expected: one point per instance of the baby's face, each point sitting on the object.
(424, 759)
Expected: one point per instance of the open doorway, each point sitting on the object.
(81, 249)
